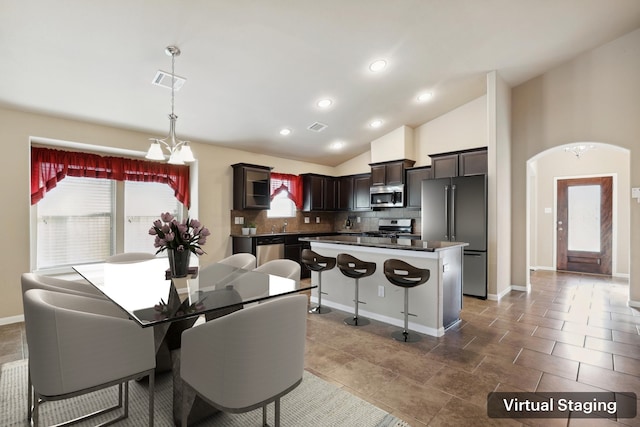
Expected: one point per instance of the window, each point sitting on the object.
(286, 195)
(282, 206)
(75, 223)
(78, 220)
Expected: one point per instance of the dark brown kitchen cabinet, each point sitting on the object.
(413, 180)
(344, 197)
(251, 186)
(361, 193)
(389, 173)
(319, 192)
(459, 163)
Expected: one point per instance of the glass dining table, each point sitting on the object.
(143, 290)
(149, 297)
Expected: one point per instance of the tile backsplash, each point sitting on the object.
(329, 221)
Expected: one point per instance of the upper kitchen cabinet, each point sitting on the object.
(459, 163)
(389, 173)
(344, 196)
(319, 192)
(361, 192)
(414, 178)
(251, 186)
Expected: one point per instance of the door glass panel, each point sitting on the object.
(584, 218)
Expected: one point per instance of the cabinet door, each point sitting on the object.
(378, 175)
(394, 173)
(313, 187)
(414, 185)
(445, 166)
(362, 185)
(345, 193)
(251, 187)
(330, 185)
(473, 163)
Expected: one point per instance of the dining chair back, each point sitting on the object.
(245, 261)
(79, 344)
(281, 267)
(247, 359)
(36, 281)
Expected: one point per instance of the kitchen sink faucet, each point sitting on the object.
(284, 227)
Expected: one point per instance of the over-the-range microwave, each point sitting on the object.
(387, 196)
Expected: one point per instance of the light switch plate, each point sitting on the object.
(307, 220)
(238, 220)
(317, 220)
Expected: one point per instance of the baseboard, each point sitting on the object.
(635, 304)
(621, 275)
(543, 268)
(12, 319)
(497, 297)
(385, 319)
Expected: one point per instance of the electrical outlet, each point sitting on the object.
(317, 220)
(381, 291)
(307, 220)
(239, 220)
(358, 220)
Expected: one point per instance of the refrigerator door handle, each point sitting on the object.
(453, 213)
(446, 211)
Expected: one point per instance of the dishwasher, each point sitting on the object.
(269, 248)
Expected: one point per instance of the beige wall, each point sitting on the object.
(594, 97)
(462, 128)
(556, 163)
(213, 172)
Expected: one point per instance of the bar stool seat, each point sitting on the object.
(318, 263)
(406, 276)
(356, 269)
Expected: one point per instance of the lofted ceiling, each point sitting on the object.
(255, 67)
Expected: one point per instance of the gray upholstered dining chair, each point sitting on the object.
(79, 344)
(36, 281)
(127, 257)
(243, 260)
(281, 267)
(247, 359)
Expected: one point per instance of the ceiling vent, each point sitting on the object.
(317, 127)
(163, 79)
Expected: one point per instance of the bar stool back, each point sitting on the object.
(316, 262)
(406, 276)
(356, 269)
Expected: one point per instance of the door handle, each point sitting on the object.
(446, 211)
(453, 212)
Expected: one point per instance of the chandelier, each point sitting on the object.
(179, 151)
(579, 149)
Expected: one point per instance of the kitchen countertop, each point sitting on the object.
(388, 243)
(287, 233)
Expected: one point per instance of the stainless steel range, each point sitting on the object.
(392, 228)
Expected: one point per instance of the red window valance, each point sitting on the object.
(48, 166)
(291, 183)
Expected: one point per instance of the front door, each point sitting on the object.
(584, 225)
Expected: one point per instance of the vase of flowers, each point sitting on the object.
(180, 240)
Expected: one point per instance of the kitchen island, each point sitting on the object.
(433, 306)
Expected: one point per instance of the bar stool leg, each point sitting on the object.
(319, 309)
(355, 320)
(405, 335)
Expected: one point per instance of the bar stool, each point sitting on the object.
(316, 262)
(406, 276)
(356, 269)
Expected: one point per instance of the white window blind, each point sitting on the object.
(75, 223)
(143, 204)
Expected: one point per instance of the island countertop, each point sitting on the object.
(385, 242)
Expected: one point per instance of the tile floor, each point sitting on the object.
(572, 332)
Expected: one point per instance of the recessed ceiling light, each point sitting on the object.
(324, 103)
(423, 97)
(376, 123)
(336, 145)
(285, 131)
(378, 65)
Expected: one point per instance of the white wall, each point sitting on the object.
(594, 97)
(460, 129)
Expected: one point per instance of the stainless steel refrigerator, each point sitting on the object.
(455, 209)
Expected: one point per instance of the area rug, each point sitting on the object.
(314, 402)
